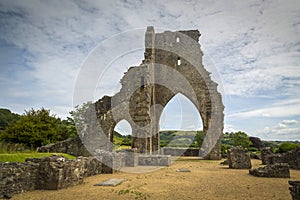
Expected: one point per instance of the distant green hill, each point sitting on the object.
(180, 138)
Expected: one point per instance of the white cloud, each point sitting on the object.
(289, 122)
(285, 130)
(279, 109)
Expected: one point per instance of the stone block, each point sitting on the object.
(295, 189)
(279, 170)
(154, 160)
(131, 157)
(238, 158)
(110, 182)
(291, 157)
(111, 161)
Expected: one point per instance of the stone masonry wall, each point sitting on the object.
(50, 173)
(72, 146)
(17, 177)
(279, 170)
(291, 157)
(172, 65)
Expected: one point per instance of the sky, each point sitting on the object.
(251, 47)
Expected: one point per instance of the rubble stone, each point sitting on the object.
(295, 189)
(279, 170)
(238, 158)
(291, 157)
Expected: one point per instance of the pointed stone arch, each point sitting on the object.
(146, 89)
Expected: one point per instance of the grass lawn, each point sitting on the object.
(20, 157)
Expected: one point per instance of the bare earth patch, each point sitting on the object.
(207, 180)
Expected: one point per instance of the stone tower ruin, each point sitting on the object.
(172, 64)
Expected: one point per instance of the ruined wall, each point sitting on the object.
(172, 64)
(17, 177)
(154, 160)
(279, 170)
(49, 173)
(72, 146)
(238, 158)
(295, 189)
(291, 157)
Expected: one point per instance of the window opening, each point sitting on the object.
(178, 61)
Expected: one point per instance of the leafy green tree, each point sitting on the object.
(198, 140)
(70, 126)
(7, 117)
(224, 148)
(286, 146)
(36, 128)
(240, 139)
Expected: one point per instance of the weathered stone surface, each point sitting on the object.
(295, 189)
(17, 177)
(154, 160)
(152, 84)
(51, 173)
(110, 182)
(279, 170)
(72, 146)
(265, 152)
(131, 157)
(111, 161)
(238, 158)
(183, 170)
(291, 157)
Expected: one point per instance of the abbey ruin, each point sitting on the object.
(172, 64)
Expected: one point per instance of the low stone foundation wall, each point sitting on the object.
(72, 146)
(49, 173)
(291, 157)
(154, 160)
(17, 177)
(131, 157)
(280, 170)
(176, 151)
(265, 152)
(111, 161)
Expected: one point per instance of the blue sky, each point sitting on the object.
(252, 49)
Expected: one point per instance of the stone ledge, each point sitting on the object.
(154, 160)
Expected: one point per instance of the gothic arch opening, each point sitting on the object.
(122, 136)
(180, 122)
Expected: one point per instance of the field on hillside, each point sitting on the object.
(207, 180)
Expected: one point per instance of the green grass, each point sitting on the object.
(20, 157)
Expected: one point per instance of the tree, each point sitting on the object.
(198, 140)
(240, 139)
(70, 126)
(286, 146)
(36, 128)
(7, 117)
